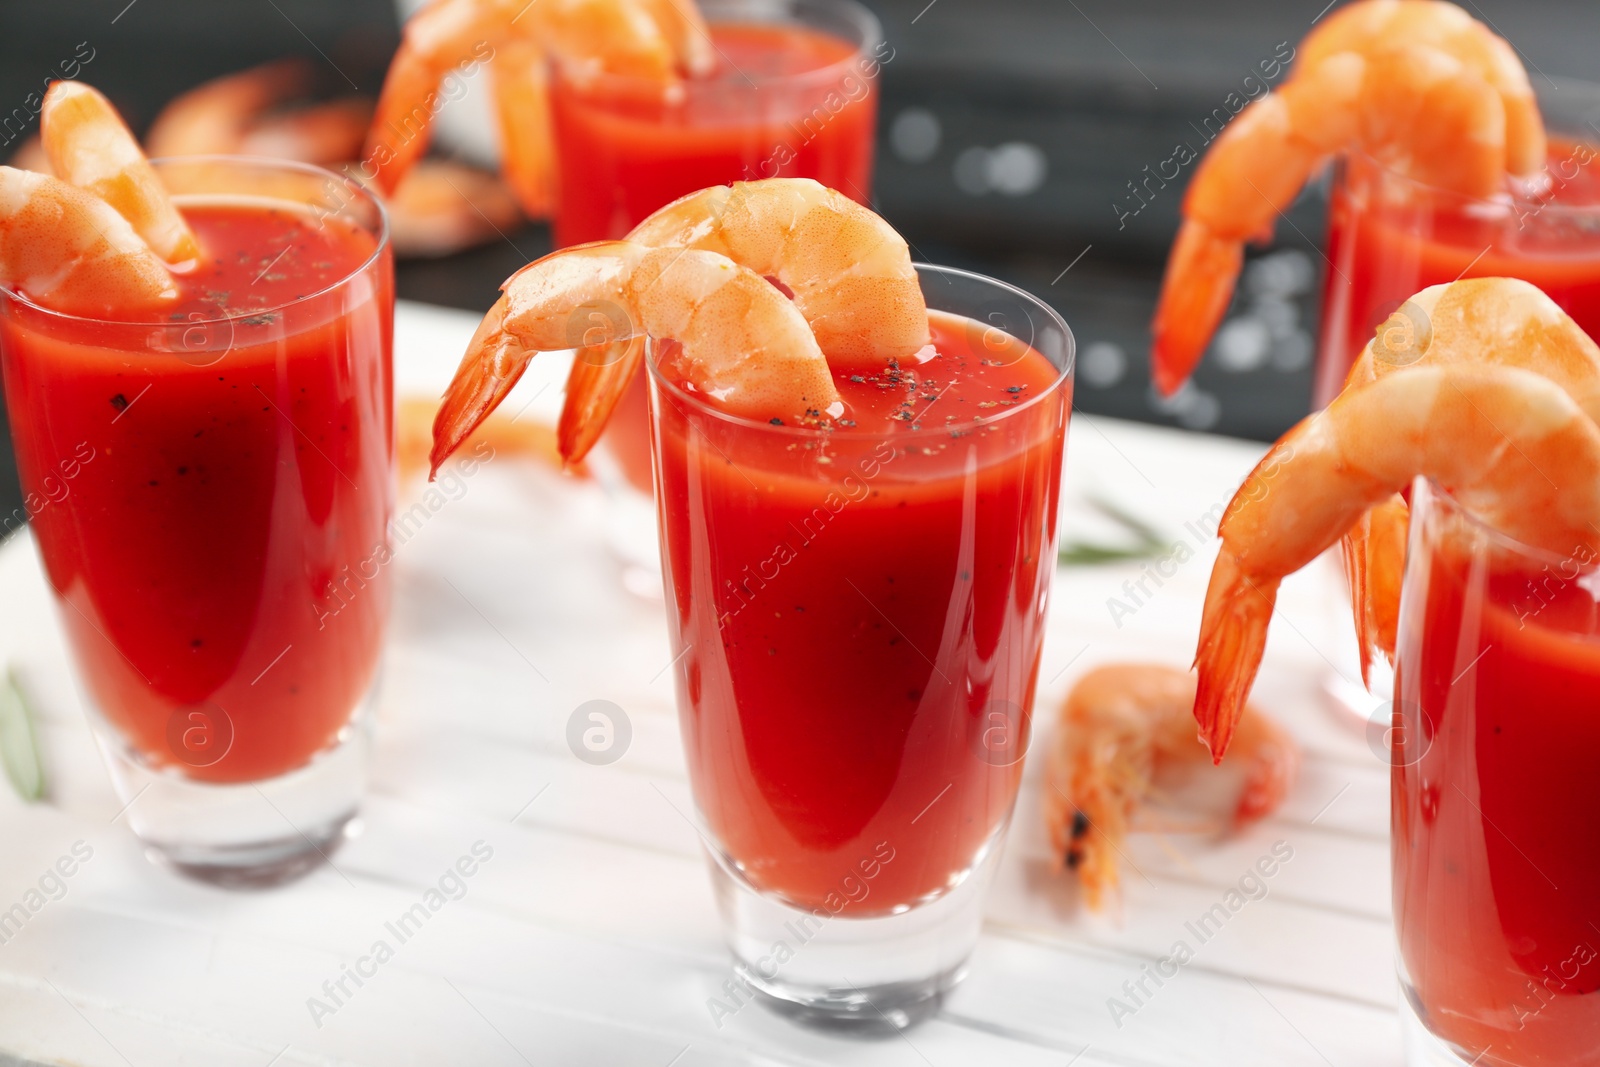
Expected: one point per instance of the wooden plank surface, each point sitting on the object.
(591, 936)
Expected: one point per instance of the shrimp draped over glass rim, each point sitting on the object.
(102, 238)
(90, 146)
(1510, 445)
(740, 342)
(855, 296)
(1491, 321)
(1419, 85)
(660, 40)
(1124, 729)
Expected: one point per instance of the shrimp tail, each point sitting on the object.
(527, 154)
(401, 127)
(1386, 564)
(1233, 636)
(495, 363)
(1355, 548)
(1195, 294)
(1374, 562)
(599, 377)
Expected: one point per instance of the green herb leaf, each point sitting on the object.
(19, 748)
(1150, 542)
(1146, 533)
(1088, 553)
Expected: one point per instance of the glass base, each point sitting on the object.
(1423, 1049)
(865, 976)
(245, 834)
(261, 865)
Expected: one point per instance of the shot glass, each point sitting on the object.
(210, 497)
(858, 618)
(1496, 806)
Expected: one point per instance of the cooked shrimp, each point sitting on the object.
(846, 269)
(596, 384)
(324, 133)
(505, 436)
(90, 146)
(740, 342)
(439, 207)
(849, 271)
(685, 27)
(632, 37)
(1417, 84)
(1126, 730)
(1498, 321)
(527, 139)
(443, 207)
(1372, 25)
(30, 155)
(1374, 562)
(1510, 445)
(69, 250)
(243, 114)
(215, 118)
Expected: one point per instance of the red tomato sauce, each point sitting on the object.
(860, 621)
(211, 494)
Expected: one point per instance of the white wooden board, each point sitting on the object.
(591, 937)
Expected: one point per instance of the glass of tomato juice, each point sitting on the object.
(211, 487)
(794, 94)
(1496, 804)
(1390, 237)
(858, 613)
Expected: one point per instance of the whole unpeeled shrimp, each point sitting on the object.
(848, 271)
(69, 250)
(741, 343)
(215, 117)
(1419, 85)
(438, 208)
(242, 114)
(1494, 321)
(648, 38)
(1125, 730)
(90, 147)
(235, 115)
(1509, 445)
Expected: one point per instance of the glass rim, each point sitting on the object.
(383, 236)
(1502, 200)
(1064, 373)
(869, 28)
(1437, 493)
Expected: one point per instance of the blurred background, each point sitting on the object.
(1011, 135)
